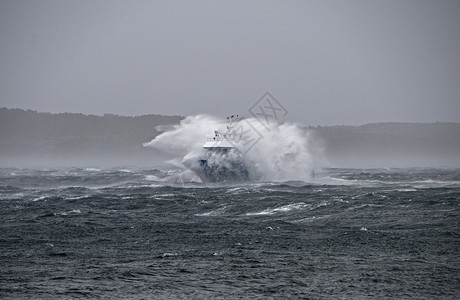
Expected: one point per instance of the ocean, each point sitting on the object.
(148, 234)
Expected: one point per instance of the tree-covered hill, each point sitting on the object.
(27, 135)
(391, 144)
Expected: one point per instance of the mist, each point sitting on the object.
(101, 68)
(32, 139)
(283, 150)
(328, 62)
(213, 149)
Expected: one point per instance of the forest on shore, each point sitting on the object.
(33, 138)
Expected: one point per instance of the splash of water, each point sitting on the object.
(278, 152)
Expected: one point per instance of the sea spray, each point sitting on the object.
(282, 154)
(278, 152)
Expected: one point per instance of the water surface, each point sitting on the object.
(130, 233)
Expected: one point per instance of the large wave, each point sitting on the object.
(271, 152)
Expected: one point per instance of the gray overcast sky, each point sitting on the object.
(327, 62)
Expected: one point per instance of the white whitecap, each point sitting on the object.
(212, 213)
(281, 209)
(39, 198)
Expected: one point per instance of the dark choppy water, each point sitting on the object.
(129, 234)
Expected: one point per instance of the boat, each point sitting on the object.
(221, 160)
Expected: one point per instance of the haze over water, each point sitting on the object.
(109, 206)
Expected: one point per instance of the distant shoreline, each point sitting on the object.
(27, 137)
(111, 115)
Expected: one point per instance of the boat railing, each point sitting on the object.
(218, 139)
